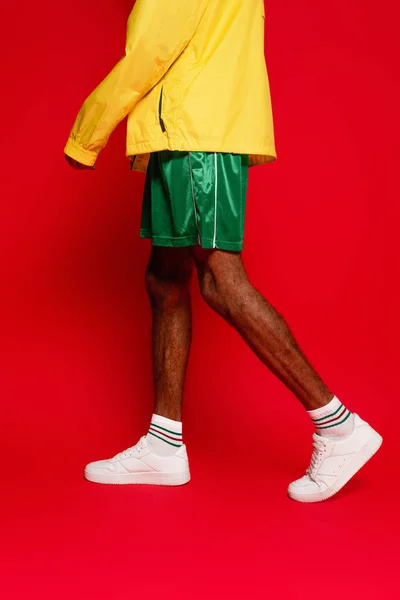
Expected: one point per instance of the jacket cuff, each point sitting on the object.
(77, 152)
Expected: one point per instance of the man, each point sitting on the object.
(194, 87)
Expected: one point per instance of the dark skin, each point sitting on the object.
(225, 287)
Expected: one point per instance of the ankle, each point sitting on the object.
(319, 401)
(168, 413)
(165, 435)
(332, 420)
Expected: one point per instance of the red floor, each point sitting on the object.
(230, 533)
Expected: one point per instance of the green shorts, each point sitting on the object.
(195, 198)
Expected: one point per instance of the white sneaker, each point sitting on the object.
(334, 462)
(139, 464)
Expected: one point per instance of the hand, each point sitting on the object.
(77, 165)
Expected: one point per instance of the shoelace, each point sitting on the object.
(316, 458)
(130, 451)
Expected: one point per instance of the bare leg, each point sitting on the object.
(226, 288)
(167, 282)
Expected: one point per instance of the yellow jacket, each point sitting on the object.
(193, 78)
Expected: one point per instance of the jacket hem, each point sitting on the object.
(257, 156)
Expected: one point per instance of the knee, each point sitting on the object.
(166, 293)
(224, 285)
(215, 295)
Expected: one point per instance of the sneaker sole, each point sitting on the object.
(363, 456)
(139, 478)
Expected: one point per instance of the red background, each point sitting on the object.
(321, 244)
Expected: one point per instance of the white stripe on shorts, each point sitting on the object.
(215, 201)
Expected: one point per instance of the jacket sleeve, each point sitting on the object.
(158, 31)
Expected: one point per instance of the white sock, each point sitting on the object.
(164, 436)
(333, 420)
